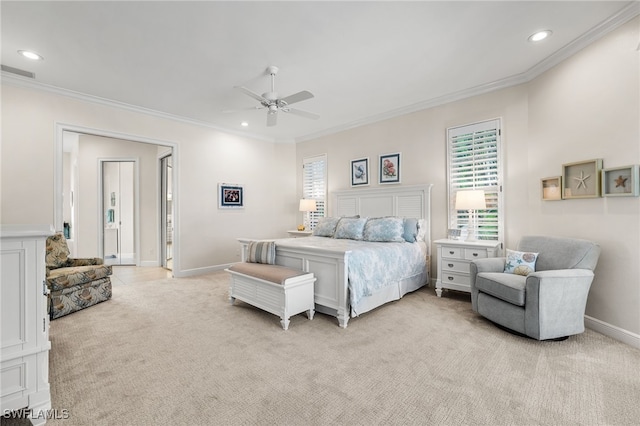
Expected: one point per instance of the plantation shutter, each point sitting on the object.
(473, 154)
(314, 186)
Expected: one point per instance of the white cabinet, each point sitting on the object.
(454, 257)
(24, 321)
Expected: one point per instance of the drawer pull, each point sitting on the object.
(451, 252)
(450, 278)
(475, 254)
(450, 265)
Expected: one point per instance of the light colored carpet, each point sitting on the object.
(175, 352)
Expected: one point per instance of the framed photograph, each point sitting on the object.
(453, 234)
(581, 179)
(390, 168)
(360, 172)
(230, 196)
(621, 182)
(552, 188)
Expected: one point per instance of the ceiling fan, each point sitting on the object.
(274, 104)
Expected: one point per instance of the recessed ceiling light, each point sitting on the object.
(244, 124)
(540, 35)
(30, 55)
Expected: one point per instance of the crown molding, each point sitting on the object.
(622, 17)
(13, 80)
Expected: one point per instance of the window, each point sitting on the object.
(314, 185)
(474, 162)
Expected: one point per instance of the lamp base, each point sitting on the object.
(301, 227)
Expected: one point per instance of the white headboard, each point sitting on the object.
(402, 201)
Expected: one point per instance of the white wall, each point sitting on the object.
(206, 157)
(587, 107)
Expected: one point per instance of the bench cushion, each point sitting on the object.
(273, 273)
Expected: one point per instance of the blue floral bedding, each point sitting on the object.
(371, 266)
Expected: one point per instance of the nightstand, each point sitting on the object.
(454, 257)
(298, 234)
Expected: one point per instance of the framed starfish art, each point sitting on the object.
(581, 179)
(621, 182)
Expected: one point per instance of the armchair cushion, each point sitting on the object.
(61, 278)
(57, 251)
(508, 287)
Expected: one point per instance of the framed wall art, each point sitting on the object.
(389, 168)
(360, 172)
(230, 196)
(552, 188)
(621, 182)
(581, 179)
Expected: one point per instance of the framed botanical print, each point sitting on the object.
(360, 172)
(621, 182)
(581, 179)
(389, 168)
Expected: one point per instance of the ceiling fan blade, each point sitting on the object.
(302, 113)
(297, 97)
(272, 119)
(248, 92)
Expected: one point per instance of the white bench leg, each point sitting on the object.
(311, 313)
(285, 323)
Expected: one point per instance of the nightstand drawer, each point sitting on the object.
(453, 252)
(455, 266)
(452, 278)
(472, 254)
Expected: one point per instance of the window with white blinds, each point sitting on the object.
(474, 162)
(314, 185)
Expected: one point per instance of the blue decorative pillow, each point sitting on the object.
(384, 229)
(410, 232)
(350, 228)
(262, 252)
(326, 227)
(520, 263)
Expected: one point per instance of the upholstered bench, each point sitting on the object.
(276, 289)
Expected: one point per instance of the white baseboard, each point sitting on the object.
(200, 271)
(612, 331)
(149, 263)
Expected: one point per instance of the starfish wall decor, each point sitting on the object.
(582, 180)
(620, 182)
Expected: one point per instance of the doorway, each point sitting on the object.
(166, 211)
(118, 201)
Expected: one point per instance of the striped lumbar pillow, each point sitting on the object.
(262, 252)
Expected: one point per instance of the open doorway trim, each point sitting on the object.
(58, 168)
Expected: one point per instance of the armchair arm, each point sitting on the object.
(71, 262)
(556, 301)
(490, 264)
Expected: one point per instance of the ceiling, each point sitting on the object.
(363, 61)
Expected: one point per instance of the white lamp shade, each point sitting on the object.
(470, 200)
(307, 205)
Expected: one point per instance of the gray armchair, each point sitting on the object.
(546, 304)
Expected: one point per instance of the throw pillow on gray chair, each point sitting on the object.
(547, 301)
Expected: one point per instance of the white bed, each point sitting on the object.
(329, 260)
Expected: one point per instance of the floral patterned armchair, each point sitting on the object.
(74, 284)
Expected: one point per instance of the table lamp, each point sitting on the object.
(306, 206)
(471, 200)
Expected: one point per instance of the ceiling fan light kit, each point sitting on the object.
(273, 103)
